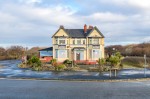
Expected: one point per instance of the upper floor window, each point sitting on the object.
(56, 40)
(83, 41)
(78, 41)
(73, 41)
(62, 41)
(90, 40)
(95, 41)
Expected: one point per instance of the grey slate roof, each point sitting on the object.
(78, 33)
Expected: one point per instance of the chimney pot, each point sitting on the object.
(61, 27)
(90, 27)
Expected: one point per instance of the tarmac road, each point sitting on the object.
(48, 89)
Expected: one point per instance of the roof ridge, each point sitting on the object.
(77, 29)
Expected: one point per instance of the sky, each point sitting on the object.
(32, 22)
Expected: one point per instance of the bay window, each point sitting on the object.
(61, 53)
(96, 54)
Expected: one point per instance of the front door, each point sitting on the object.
(77, 56)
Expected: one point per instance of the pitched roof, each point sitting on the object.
(79, 33)
(97, 31)
(47, 49)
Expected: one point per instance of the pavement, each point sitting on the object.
(45, 89)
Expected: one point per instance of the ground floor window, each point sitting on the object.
(96, 54)
(61, 54)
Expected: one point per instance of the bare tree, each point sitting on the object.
(15, 52)
(2, 51)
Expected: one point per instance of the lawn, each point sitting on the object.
(135, 62)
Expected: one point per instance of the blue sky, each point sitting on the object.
(33, 22)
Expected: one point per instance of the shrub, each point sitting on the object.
(101, 63)
(53, 62)
(115, 60)
(67, 62)
(35, 63)
(61, 67)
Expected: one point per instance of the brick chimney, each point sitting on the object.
(85, 28)
(61, 27)
(90, 27)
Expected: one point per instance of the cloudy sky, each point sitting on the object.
(33, 22)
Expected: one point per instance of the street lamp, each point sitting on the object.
(145, 65)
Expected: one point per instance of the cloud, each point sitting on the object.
(23, 21)
(45, 15)
(30, 1)
(107, 17)
(34, 21)
(143, 5)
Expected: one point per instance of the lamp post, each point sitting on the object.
(25, 57)
(145, 66)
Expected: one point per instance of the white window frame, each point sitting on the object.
(77, 41)
(95, 39)
(99, 56)
(84, 41)
(91, 41)
(73, 41)
(66, 54)
(61, 39)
